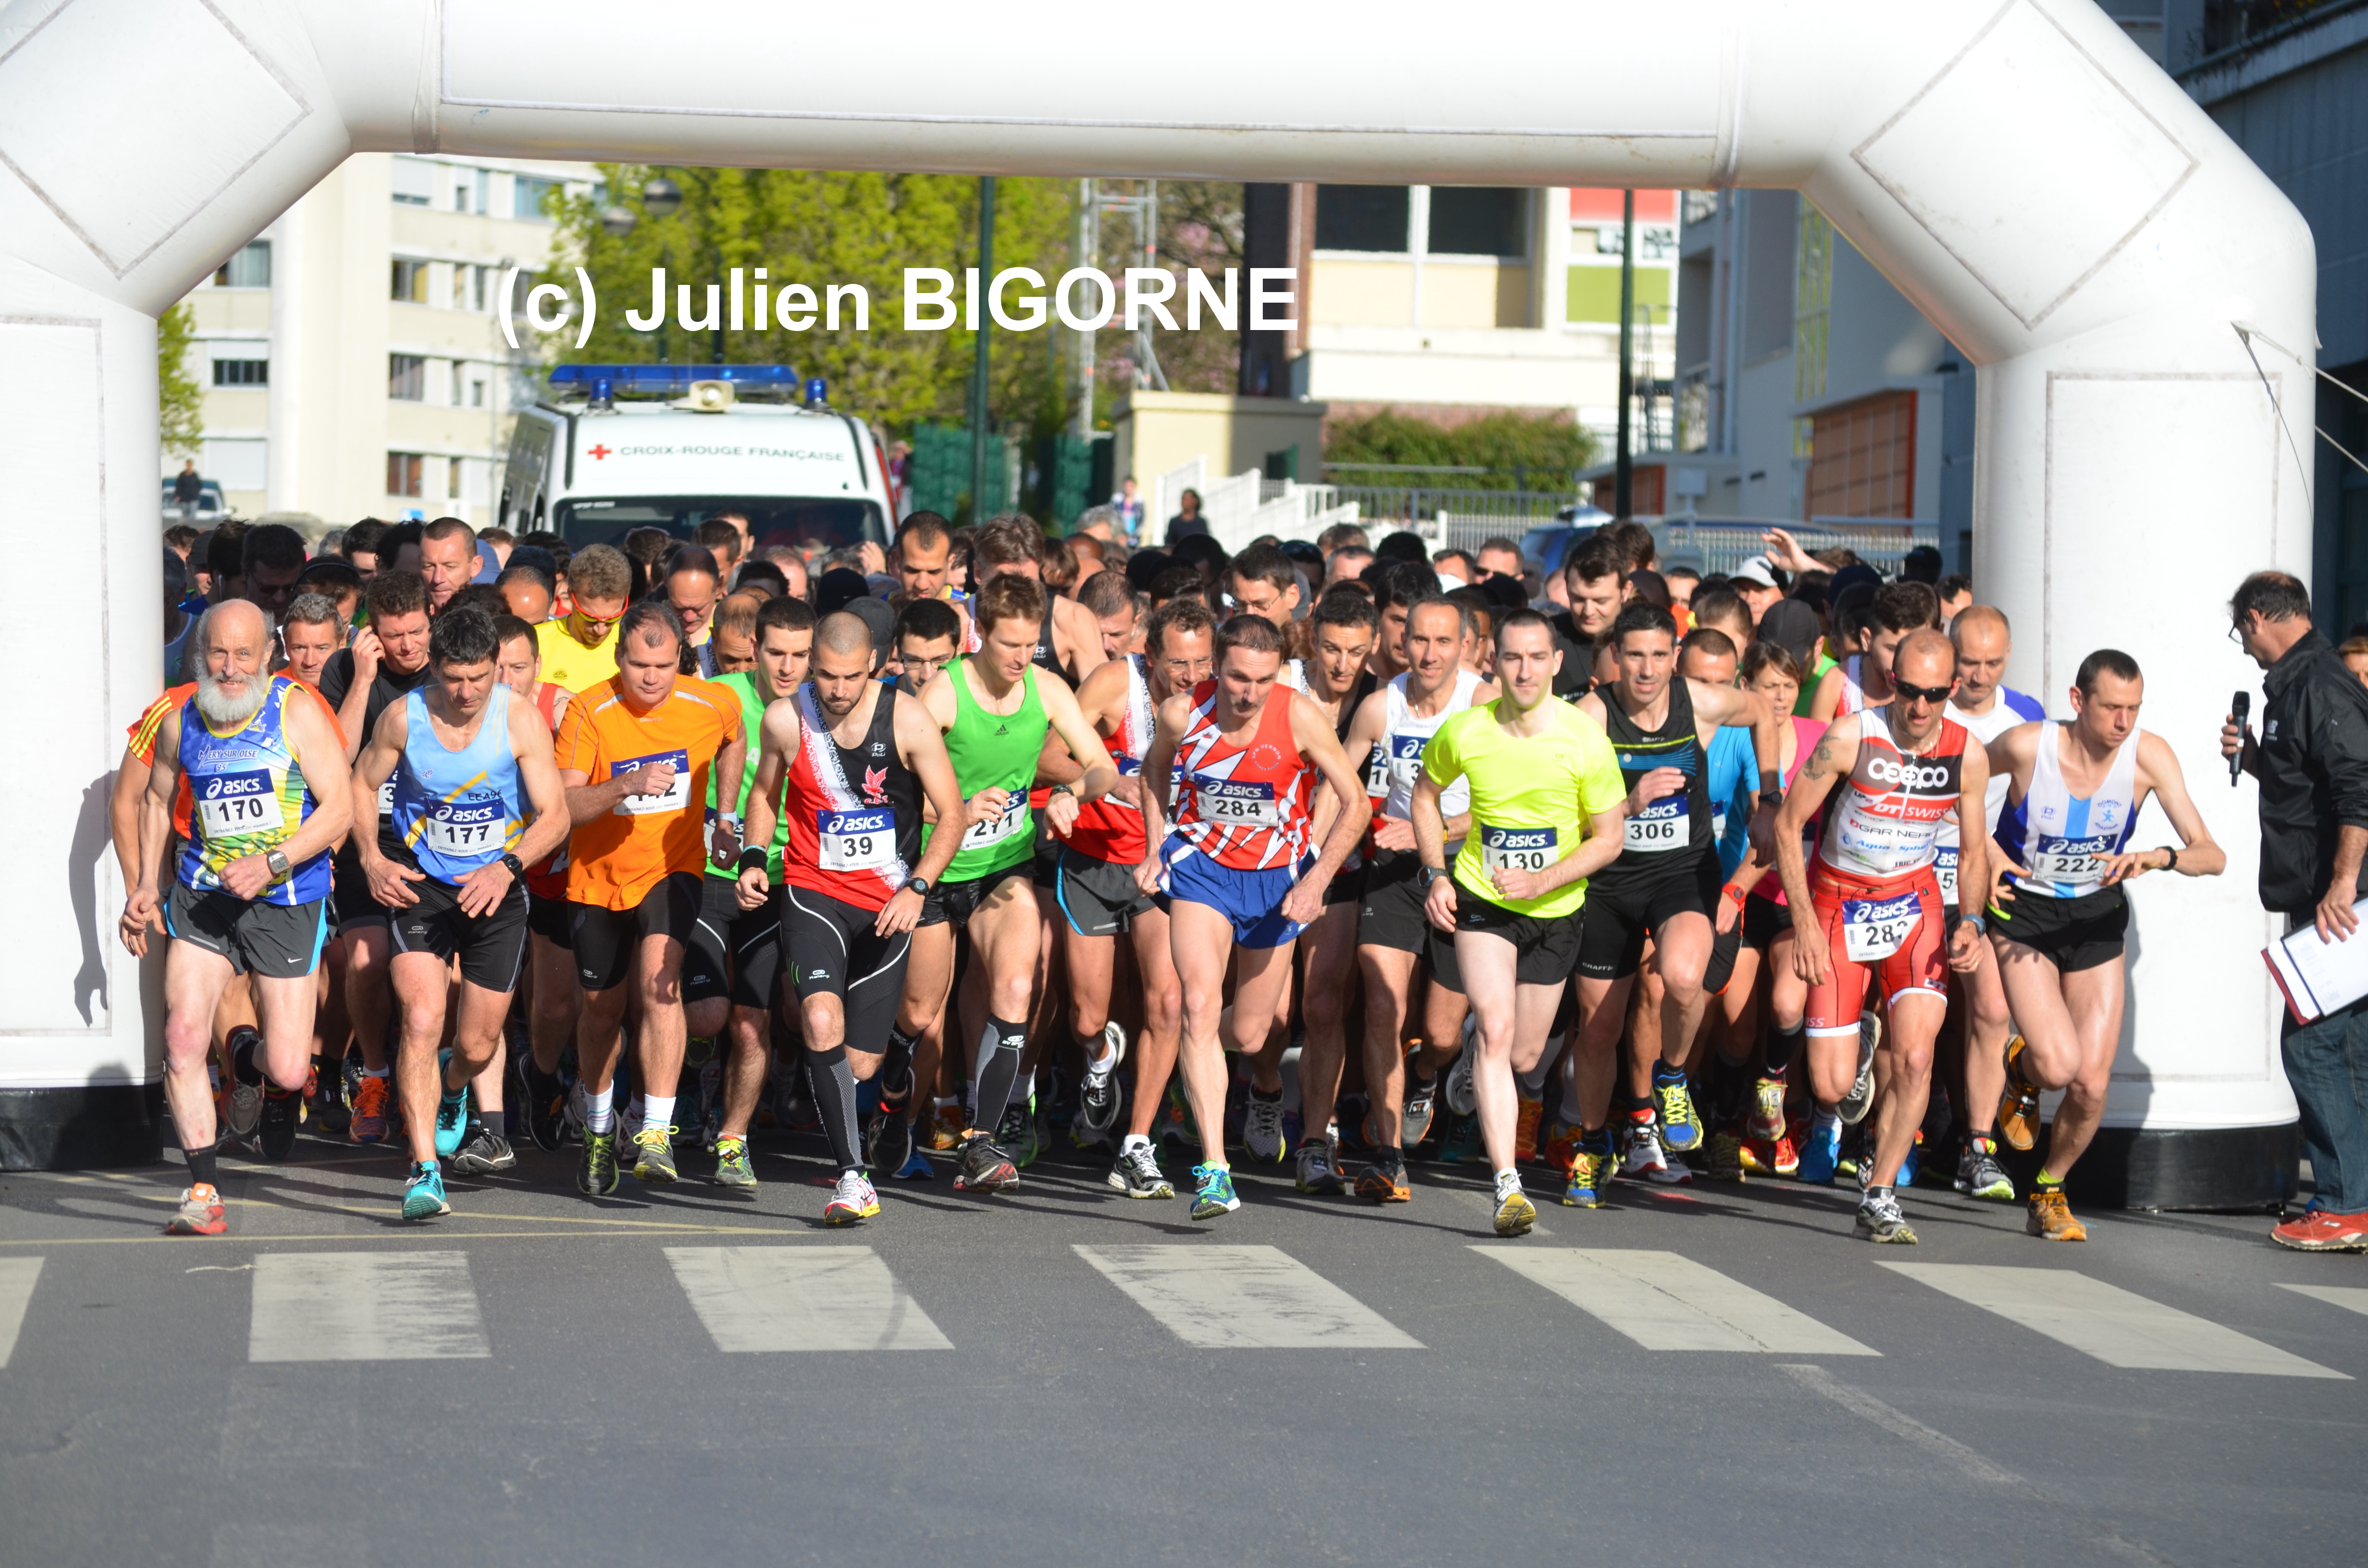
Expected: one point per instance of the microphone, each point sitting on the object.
(2239, 706)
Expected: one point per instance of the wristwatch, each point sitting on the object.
(1771, 796)
(1980, 926)
(1062, 789)
(278, 862)
(916, 884)
(517, 866)
(1429, 875)
(2173, 852)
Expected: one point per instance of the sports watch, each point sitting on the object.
(918, 885)
(278, 862)
(517, 866)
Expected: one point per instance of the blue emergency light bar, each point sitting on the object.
(674, 378)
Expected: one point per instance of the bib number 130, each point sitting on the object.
(1517, 849)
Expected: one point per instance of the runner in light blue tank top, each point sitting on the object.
(456, 811)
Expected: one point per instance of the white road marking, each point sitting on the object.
(1244, 1298)
(2116, 1326)
(1899, 1423)
(17, 1278)
(1663, 1301)
(355, 1306)
(802, 1298)
(2353, 1298)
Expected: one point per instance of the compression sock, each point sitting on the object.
(1782, 1046)
(1000, 1047)
(600, 1109)
(243, 1041)
(202, 1166)
(833, 1086)
(896, 1065)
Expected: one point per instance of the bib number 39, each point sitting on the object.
(857, 841)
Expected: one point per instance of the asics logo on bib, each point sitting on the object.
(1905, 775)
(226, 784)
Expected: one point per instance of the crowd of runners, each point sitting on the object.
(1350, 856)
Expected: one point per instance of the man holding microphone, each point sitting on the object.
(2312, 764)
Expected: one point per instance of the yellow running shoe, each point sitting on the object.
(2018, 1112)
(1590, 1173)
(947, 1127)
(1515, 1213)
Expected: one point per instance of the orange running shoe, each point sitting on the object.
(200, 1214)
(947, 1125)
(1560, 1151)
(2018, 1112)
(1525, 1129)
(370, 1124)
(2050, 1219)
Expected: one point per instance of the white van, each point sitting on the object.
(615, 447)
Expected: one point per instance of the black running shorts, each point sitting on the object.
(278, 941)
(2073, 934)
(834, 949)
(1098, 898)
(606, 939)
(1548, 946)
(733, 951)
(491, 946)
(1622, 911)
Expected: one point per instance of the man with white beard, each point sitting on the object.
(269, 796)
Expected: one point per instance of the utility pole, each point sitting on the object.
(1086, 251)
(978, 374)
(1622, 473)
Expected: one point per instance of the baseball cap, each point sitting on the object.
(1757, 571)
(875, 614)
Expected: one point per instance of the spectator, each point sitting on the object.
(187, 489)
(1128, 508)
(1759, 584)
(1187, 520)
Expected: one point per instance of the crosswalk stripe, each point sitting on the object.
(17, 1277)
(1244, 1298)
(2117, 1326)
(802, 1298)
(359, 1306)
(2351, 1297)
(1663, 1301)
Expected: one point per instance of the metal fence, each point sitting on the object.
(1510, 511)
(1721, 546)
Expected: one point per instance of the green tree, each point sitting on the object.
(1517, 451)
(180, 402)
(818, 229)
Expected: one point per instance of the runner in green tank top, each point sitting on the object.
(993, 751)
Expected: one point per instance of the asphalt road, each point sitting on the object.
(1712, 1375)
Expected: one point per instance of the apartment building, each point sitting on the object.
(352, 356)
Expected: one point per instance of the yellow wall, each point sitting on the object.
(1483, 294)
(1594, 293)
(1159, 431)
(1362, 293)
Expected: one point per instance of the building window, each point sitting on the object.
(1862, 459)
(1476, 220)
(452, 479)
(413, 182)
(402, 472)
(532, 196)
(409, 282)
(242, 372)
(248, 268)
(1362, 217)
(477, 392)
(407, 382)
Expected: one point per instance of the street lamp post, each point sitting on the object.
(1622, 470)
(978, 373)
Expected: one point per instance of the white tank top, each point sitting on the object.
(1853, 698)
(2063, 839)
(1403, 736)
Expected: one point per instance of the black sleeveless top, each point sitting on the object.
(1676, 829)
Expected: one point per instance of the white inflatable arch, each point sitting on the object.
(2018, 168)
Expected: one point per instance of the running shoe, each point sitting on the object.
(1136, 1173)
(984, 1168)
(887, 1138)
(917, 1167)
(731, 1166)
(2018, 1111)
(486, 1152)
(854, 1199)
(710, 1101)
(1758, 1156)
(1913, 1163)
(1641, 1157)
(1317, 1173)
(1767, 1120)
(200, 1213)
(793, 1101)
(1175, 1123)
(1681, 1129)
(422, 1195)
(1821, 1152)
(2050, 1219)
(1525, 1128)
(1590, 1173)
(1460, 1096)
(579, 1110)
(1385, 1181)
(1215, 1192)
(1413, 1124)
(1729, 1160)
(370, 1097)
(275, 1136)
(1880, 1220)
(1099, 1099)
(1018, 1132)
(1515, 1212)
(1461, 1145)
(595, 1174)
(452, 1123)
(1262, 1128)
(628, 1119)
(242, 1113)
(1853, 1106)
(1980, 1176)
(544, 1112)
(1561, 1147)
(2320, 1229)
(947, 1126)
(654, 1156)
(325, 1106)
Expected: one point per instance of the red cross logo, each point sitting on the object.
(597, 451)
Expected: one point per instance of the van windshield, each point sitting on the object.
(772, 519)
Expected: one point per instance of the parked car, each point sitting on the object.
(210, 506)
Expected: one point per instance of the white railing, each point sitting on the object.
(1243, 506)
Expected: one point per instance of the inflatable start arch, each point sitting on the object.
(2018, 168)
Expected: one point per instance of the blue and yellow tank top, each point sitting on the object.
(247, 796)
(458, 810)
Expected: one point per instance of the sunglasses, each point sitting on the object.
(1919, 693)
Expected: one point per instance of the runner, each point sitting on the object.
(1236, 870)
(579, 650)
(447, 560)
(311, 636)
(1068, 643)
(1863, 680)
(1547, 808)
(994, 714)
(1665, 884)
(268, 783)
(635, 752)
(2058, 912)
(1595, 580)
(552, 1002)
(1872, 911)
(732, 961)
(1391, 728)
(1098, 900)
(928, 637)
(857, 876)
(467, 763)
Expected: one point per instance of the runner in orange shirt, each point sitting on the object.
(634, 753)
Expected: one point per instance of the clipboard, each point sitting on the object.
(2320, 977)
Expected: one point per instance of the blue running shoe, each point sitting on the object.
(1907, 1167)
(451, 1123)
(1681, 1129)
(917, 1167)
(1215, 1195)
(1463, 1145)
(422, 1195)
(1821, 1154)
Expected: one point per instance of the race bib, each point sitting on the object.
(465, 829)
(1945, 872)
(1517, 849)
(1406, 758)
(1377, 772)
(862, 840)
(386, 799)
(1874, 929)
(1230, 804)
(676, 795)
(1000, 827)
(2080, 862)
(1665, 825)
(232, 805)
